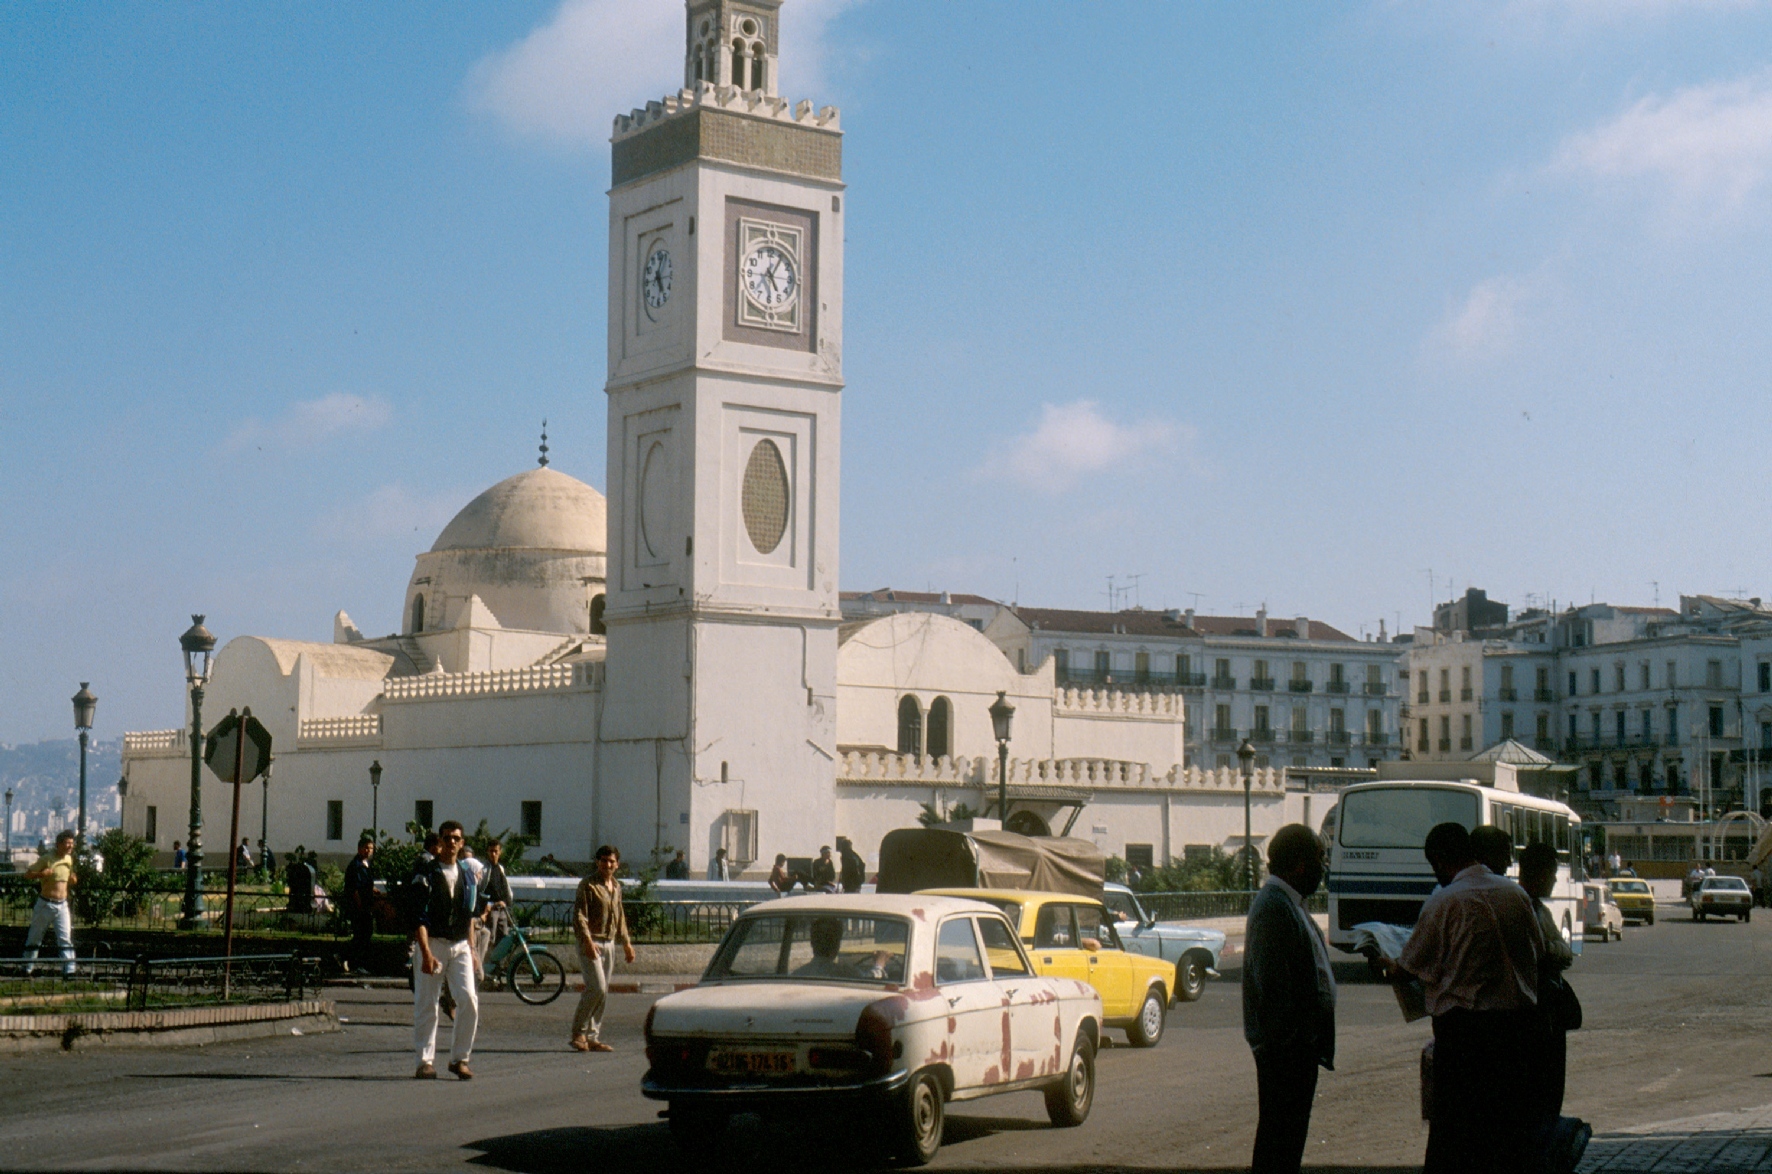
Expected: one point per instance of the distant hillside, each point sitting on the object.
(40, 773)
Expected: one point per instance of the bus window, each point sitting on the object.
(1502, 816)
(1399, 817)
(1562, 840)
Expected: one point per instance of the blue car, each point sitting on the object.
(1194, 949)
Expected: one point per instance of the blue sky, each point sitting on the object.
(1290, 304)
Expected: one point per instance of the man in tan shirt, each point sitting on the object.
(599, 923)
(1476, 950)
(53, 874)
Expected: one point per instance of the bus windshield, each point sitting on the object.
(1399, 817)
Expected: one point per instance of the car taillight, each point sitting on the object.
(873, 1037)
(839, 1058)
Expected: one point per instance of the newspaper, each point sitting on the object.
(1376, 940)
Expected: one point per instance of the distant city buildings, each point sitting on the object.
(1643, 700)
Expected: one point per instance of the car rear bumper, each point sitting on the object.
(737, 1098)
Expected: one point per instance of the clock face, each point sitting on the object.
(655, 282)
(770, 279)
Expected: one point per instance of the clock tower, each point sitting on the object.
(724, 395)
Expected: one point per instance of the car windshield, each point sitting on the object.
(1733, 883)
(1399, 817)
(1630, 886)
(1122, 905)
(813, 947)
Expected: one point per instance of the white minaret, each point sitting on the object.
(725, 381)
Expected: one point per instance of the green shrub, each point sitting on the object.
(122, 888)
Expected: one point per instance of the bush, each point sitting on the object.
(122, 888)
(1210, 872)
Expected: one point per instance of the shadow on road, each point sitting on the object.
(786, 1150)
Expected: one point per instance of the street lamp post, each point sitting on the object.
(199, 650)
(1246, 759)
(84, 706)
(264, 815)
(375, 799)
(1002, 713)
(9, 825)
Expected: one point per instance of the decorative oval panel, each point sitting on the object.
(655, 502)
(765, 497)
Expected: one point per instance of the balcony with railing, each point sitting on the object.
(1262, 684)
(1509, 694)
(1337, 687)
(1464, 744)
(1465, 693)
(1445, 745)
(1340, 738)
(1376, 689)
(1223, 735)
(1376, 738)
(1301, 737)
(1445, 696)
(1261, 735)
(1224, 683)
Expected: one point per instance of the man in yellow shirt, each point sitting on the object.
(54, 873)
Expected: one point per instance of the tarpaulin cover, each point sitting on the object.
(912, 859)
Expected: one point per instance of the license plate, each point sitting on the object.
(735, 1063)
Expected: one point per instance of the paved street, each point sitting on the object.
(1675, 1035)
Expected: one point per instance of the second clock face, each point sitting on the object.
(770, 278)
(655, 282)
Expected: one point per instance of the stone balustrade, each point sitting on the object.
(355, 727)
(540, 678)
(873, 766)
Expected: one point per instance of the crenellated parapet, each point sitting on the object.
(731, 99)
(154, 743)
(1086, 701)
(864, 767)
(357, 727)
(541, 678)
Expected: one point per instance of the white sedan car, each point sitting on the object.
(892, 1005)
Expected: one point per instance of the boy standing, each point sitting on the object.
(53, 874)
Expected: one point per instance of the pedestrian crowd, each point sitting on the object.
(1486, 959)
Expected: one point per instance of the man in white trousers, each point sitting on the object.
(599, 923)
(445, 956)
(53, 874)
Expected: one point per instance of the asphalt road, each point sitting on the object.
(1675, 1027)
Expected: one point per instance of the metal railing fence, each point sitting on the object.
(43, 986)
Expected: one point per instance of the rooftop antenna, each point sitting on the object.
(1655, 585)
(543, 461)
(1432, 598)
(1137, 596)
(1197, 596)
(1015, 566)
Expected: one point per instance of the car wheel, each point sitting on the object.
(1649, 920)
(919, 1113)
(699, 1133)
(1697, 916)
(1190, 978)
(1068, 1103)
(1745, 917)
(1618, 934)
(1147, 1029)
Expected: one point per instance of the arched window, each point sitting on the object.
(418, 613)
(740, 69)
(758, 59)
(941, 728)
(910, 725)
(598, 602)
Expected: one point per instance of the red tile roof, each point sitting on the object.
(892, 595)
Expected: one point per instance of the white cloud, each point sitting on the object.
(594, 59)
(1708, 148)
(1074, 440)
(392, 513)
(310, 422)
(1487, 322)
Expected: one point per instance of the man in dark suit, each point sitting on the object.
(1288, 999)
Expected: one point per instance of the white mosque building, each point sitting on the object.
(669, 666)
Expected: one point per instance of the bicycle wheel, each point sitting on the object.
(537, 979)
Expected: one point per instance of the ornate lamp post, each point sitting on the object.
(1246, 760)
(375, 799)
(85, 704)
(199, 649)
(1002, 713)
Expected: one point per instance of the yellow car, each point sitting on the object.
(1068, 936)
(1634, 899)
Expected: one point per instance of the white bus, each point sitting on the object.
(1376, 868)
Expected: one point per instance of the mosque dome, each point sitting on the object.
(530, 551)
(539, 509)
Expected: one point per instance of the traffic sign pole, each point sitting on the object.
(233, 857)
